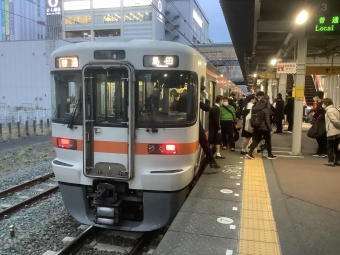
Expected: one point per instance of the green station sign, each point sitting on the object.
(323, 25)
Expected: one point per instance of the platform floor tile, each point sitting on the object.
(215, 193)
(175, 243)
(204, 224)
(222, 183)
(217, 173)
(212, 206)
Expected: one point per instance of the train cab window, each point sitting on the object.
(66, 97)
(167, 98)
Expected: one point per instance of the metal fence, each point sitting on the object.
(18, 124)
(22, 116)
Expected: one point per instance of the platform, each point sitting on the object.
(287, 206)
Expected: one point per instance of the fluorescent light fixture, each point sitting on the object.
(255, 75)
(302, 17)
(273, 62)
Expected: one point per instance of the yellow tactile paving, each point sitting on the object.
(258, 248)
(258, 234)
(255, 193)
(256, 187)
(268, 225)
(257, 207)
(256, 200)
(261, 215)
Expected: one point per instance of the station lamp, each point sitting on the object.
(273, 61)
(301, 18)
(255, 75)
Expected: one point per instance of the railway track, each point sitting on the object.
(92, 232)
(5, 194)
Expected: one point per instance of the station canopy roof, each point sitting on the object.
(265, 29)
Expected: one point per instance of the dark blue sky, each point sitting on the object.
(218, 29)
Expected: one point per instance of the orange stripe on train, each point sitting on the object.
(122, 147)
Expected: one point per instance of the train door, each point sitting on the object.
(109, 127)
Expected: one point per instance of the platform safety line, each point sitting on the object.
(258, 235)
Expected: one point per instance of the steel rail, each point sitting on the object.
(146, 238)
(79, 241)
(22, 186)
(29, 201)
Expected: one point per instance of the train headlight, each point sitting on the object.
(65, 143)
(162, 149)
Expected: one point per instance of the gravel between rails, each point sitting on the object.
(43, 225)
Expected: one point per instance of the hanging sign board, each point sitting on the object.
(286, 68)
(325, 70)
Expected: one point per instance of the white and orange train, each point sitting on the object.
(127, 150)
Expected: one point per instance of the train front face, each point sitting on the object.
(126, 150)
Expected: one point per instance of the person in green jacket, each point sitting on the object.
(227, 118)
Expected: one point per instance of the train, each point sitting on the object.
(126, 156)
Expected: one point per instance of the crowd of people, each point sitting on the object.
(259, 118)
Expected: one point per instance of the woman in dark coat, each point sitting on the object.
(246, 107)
(279, 115)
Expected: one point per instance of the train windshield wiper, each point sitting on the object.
(71, 120)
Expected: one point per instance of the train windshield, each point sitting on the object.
(67, 97)
(167, 98)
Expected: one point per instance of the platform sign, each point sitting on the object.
(323, 70)
(268, 75)
(324, 25)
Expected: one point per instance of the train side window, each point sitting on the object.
(166, 98)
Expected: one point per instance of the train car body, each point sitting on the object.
(126, 150)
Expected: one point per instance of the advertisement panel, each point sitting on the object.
(286, 68)
(11, 19)
(7, 19)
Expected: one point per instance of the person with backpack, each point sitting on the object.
(260, 121)
(332, 118)
(227, 124)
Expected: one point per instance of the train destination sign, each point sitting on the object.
(326, 25)
(162, 61)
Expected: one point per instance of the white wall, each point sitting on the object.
(25, 74)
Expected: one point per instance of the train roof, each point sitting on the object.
(140, 44)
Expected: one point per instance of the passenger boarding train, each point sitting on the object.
(125, 156)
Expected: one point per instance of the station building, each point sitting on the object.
(25, 80)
